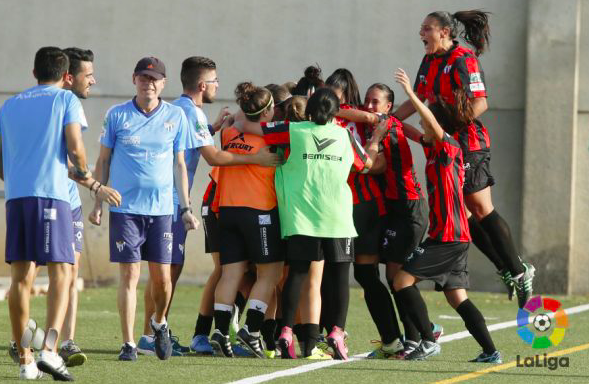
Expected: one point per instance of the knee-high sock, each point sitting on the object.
(475, 323)
(500, 235)
(483, 242)
(411, 332)
(417, 309)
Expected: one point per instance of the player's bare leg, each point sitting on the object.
(69, 323)
(127, 298)
(161, 289)
(22, 275)
(149, 308)
(57, 299)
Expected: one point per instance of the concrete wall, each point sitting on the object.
(555, 195)
(578, 281)
(266, 41)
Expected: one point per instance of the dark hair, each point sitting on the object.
(343, 79)
(252, 100)
(51, 63)
(389, 94)
(310, 82)
(476, 26)
(295, 110)
(322, 106)
(279, 92)
(453, 117)
(76, 56)
(192, 70)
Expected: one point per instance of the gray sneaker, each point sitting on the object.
(72, 354)
(13, 352)
(163, 342)
(426, 349)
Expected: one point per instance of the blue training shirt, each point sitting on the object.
(143, 147)
(34, 149)
(198, 136)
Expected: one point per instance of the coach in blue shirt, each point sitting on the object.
(142, 151)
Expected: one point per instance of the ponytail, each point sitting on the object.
(456, 117)
(476, 31)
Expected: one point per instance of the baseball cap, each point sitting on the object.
(151, 66)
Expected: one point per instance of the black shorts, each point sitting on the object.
(477, 172)
(210, 224)
(444, 263)
(368, 224)
(250, 235)
(404, 228)
(332, 250)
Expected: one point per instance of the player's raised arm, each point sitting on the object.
(432, 128)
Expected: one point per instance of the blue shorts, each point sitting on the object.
(179, 238)
(78, 228)
(40, 230)
(140, 237)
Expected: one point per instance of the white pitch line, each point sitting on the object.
(329, 363)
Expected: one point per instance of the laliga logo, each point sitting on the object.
(534, 322)
(542, 322)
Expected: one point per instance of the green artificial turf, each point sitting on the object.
(98, 334)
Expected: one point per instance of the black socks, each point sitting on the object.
(203, 325)
(481, 239)
(254, 320)
(475, 323)
(500, 235)
(268, 330)
(417, 310)
(411, 332)
(222, 320)
(309, 334)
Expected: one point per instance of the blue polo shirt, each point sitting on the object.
(143, 147)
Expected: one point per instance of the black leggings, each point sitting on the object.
(335, 292)
(335, 295)
(291, 293)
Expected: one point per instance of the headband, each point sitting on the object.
(263, 109)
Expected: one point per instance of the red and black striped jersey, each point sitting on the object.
(364, 186)
(445, 178)
(442, 74)
(209, 195)
(401, 180)
(278, 133)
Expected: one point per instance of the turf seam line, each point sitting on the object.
(323, 364)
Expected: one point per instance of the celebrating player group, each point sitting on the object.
(308, 180)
